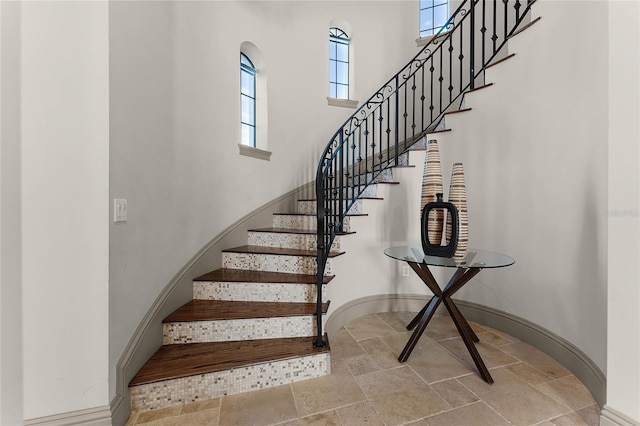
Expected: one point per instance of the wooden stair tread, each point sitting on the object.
(475, 89)
(509, 56)
(361, 198)
(210, 310)
(248, 276)
(314, 215)
(277, 230)
(281, 251)
(457, 111)
(528, 25)
(184, 360)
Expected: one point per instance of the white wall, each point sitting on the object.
(10, 221)
(623, 355)
(175, 122)
(64, 176)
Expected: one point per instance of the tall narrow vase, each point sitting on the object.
(432, 185)
(458, 197)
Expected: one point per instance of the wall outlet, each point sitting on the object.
(405, 270)
(119, 210)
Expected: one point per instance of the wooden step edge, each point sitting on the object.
(438, 131)
(243, 276)
(509, 56)
(528, 25)
(193, 359)
(475, 89)
(365, 197)
(221, 310)
(408, 166)
(457, 111)
(276, 230)
(278, 251)
(314, 215)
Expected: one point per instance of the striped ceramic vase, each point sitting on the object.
(432, 185)
(458, 197)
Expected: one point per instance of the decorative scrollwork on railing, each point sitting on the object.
(406, 107)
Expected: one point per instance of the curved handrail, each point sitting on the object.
(403, 110)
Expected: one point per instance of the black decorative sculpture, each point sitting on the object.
(437, 249)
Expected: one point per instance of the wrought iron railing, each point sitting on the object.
(405, 108)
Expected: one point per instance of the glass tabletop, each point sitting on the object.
(473, 259)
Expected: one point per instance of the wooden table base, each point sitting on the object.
(459, 279)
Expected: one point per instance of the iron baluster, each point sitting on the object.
(472, 45)
(494, 37)
(461, 55)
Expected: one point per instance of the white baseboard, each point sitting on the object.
(611, 417)
(99, 416)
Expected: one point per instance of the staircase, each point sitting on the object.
(251, 323)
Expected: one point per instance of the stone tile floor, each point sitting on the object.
(438, 385)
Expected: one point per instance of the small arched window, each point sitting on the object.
(248, 100)
(433, 15)
(338, 64)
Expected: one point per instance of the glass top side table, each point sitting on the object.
(466, 268)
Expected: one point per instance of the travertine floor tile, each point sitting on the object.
(434, 364)
(454, 393)
(536, 359)
(153, 415)
(360, 414)
(201, 405)
(517, 401)
(343, 345)
(397, 342)
(361, 364)
(491, 356)
(529, 374)
(477, 414)
(400, 396)
(204, 417)
(493, 338)
(369, 326)
(441, 327)
(380, 353)
(397, 320)
(569, 391)
(329, 418)
(326, 393)
(263, 407)
(589, 416)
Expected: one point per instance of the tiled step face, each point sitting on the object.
(310, 206)
(288, 240)
(238, 329)
(272, 263)
(256, 292)
(302, 222)
(180, 391)
(369, 191)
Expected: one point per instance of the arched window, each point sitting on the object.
(248, 100)
(433, 15)
(338, 64)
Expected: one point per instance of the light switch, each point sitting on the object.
(119, 210)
